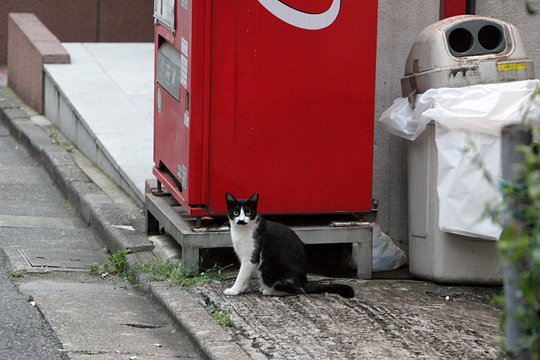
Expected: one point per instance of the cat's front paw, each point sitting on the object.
(231, 292)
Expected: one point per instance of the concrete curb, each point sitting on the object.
(210, 337)
(104, 217)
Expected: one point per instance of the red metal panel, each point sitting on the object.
(451, 8)
(281, 102)
(179, 128)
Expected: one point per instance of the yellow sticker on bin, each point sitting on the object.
(511, 67)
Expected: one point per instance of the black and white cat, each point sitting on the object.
(274, 251)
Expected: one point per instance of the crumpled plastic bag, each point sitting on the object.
(468, 121)
(462, 187)
(484, 108)
(386, 256)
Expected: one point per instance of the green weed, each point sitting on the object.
(17, 274)
(117, 265)
(519, 244)
(59, 140)
(155, 270)
(222, 317)
(177, 273)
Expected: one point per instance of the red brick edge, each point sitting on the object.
(30, 45)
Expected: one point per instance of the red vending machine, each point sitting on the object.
(267, 96)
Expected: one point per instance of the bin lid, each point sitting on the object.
(464, 38)
(466, 50)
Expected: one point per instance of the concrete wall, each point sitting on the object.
(85, 20)
(514, 12)
(399, 23)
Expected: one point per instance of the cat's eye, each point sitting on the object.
(236, 213)
(248, 213)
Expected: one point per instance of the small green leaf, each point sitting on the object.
(531, 10)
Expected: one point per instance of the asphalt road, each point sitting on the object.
(24, 333)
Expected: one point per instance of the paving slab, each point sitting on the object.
(40, 222)
(65, 239)
(36, 259)
(13, 205)
(112, 319)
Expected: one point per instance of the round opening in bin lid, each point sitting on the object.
(460, 40)
(490, 37)
(475, 37)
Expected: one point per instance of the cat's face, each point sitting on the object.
(242, 212)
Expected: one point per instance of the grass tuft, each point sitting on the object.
(222, 317)
(155, 270)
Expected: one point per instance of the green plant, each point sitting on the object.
(531, 7)
(155, 270)
(97, 268)
(117, 265)
(17, 274)
(177, 273)
(519, 245)
(222, 317)
(59, 140)
(119, 261)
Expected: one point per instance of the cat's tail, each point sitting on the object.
(340, 289)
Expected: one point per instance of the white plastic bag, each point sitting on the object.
(484, 108)
(479, 108)
(398, 119)
(462, 187)
(471, 118)
(386, 256)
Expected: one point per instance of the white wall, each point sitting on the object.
(399, 22)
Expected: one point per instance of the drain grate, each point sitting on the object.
(61, 258)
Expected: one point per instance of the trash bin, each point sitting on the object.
(465, 78)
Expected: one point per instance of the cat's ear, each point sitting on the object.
(231, 200)
(254, 198)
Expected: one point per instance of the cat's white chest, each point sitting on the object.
(243, 240)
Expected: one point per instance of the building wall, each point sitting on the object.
(399, 22)
(514, 12)
(85, 20)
